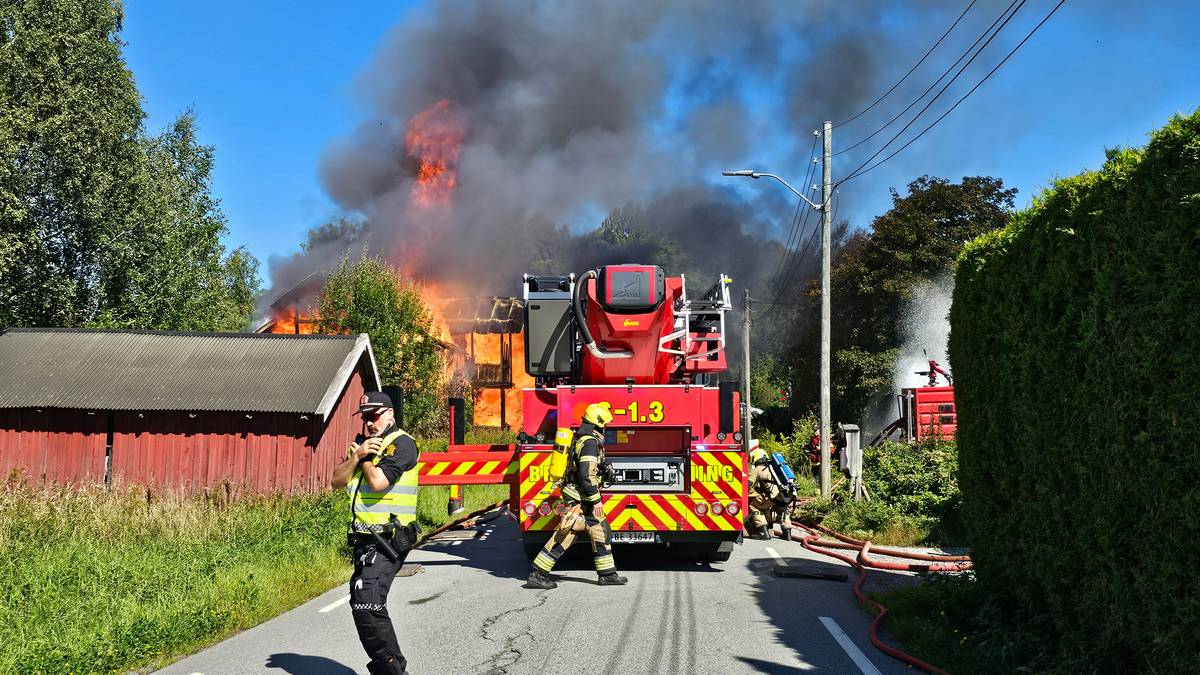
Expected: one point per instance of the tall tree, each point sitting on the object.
(369, 296)
(100, 225)
(918, 239)
(70, 160)
(172, 270)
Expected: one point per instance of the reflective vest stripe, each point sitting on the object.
(395, 489)
(386, 508)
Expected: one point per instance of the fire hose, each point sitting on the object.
(945, 563)
(459, 521)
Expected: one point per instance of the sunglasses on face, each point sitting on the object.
(371, 416)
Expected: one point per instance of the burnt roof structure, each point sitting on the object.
(484, 315)
(158, 370)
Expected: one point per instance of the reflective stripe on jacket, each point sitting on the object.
(585, 479)
(372, 511)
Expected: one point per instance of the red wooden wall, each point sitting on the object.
(59, 445)
(255, 452)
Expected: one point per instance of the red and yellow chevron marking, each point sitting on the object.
(715, 477)
(494, 465)
(534, 486)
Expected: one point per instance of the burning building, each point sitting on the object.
(489, 330)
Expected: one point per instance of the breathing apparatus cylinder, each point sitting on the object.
(560, 458)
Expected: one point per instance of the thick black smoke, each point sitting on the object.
(572, 110)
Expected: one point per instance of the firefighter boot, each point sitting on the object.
(539, 579)
(764, 533)
(787, 533)
(612, 579)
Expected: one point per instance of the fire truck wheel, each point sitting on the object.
(715, 554)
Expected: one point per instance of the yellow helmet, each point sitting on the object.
(757, 455)
(598, 415)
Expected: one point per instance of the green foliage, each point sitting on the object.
(369, 296)
(100, 225)
(920, 481)
(96, 582)
(340, 231)
(794, 447)
(951, 622)
(914, 496)
(918, 239)
(1076, 352)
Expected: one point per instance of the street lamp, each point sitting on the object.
(746, 173)
(826, 224)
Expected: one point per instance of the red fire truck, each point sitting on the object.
(631, 337)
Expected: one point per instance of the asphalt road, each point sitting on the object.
(466, 612)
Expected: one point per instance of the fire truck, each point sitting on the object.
(633, 338)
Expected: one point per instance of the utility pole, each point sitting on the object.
(746, 370)
(826, 224)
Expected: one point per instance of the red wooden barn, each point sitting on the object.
(180, 410)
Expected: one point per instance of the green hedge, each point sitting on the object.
(1075, 341)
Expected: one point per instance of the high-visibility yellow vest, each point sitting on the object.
(371, 511)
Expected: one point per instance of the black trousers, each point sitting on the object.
(373, 575)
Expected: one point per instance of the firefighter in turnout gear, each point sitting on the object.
(585, 512)
(769, 501)
(380, 473)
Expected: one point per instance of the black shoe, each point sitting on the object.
(612, 579)
(539, 579)
(787, 534)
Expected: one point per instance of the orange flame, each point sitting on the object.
(286, 321)
(434, 138)
(487, 401)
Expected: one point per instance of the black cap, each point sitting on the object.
(374, 400)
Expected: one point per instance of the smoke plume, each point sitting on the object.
(570, 110)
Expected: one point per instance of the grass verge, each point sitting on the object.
(949, 621)
(96, 582)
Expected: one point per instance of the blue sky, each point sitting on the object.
(273, 86)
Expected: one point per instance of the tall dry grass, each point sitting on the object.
(98, 582)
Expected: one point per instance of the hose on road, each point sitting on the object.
(814, 542)
(459, 521)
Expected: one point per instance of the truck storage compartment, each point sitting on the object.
(549, 326)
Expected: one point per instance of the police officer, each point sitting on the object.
(380, 473)
(769, 501)
(581, 491)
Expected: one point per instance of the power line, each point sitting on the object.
(925, 93)
(910, 70)
(787, 249)
(801, 254)
(941, 91)
(959, 101)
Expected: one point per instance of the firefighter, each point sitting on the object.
(581, 491)
(380, 473)
(769, 501)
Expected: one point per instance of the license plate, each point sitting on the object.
(634, 538)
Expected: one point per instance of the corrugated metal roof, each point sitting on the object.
(155, 370)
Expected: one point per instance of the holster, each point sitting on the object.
(392, 540)
(404, 537)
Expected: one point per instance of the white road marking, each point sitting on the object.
(335, 604)
(778, 557)
(864, 664)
